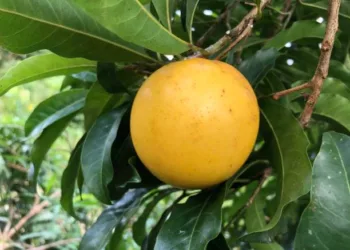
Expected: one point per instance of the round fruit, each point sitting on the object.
(194, 122)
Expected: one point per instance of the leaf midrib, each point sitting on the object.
(74, 30)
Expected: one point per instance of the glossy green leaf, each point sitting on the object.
(335, 86)
(135, 24)
(334, 107)
(255, 220)
(112, 218)
(165, 9)
(63, 28)
(193, 224)
(258, 65)
(53, 109)
(42, 66)
(299, 30)
(191, 6)
(43, 144)
(96, 155)
(69, 177)
(139, 227)
(325, 222)
(287, 145)
(99, 101)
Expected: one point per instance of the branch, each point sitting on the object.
(321, 71)
(54, 244)
(17, 167)
(36, 208)
(235, 32)
(221, 18)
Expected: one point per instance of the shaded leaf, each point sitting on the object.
(191, 6)
(63, 28)
(257, 66)
(114, 217)
(134, 24)
(124, 172)
(299, 30)
(255, 220)
(69, 177)
(165, 9)
(325, 222)
(108, 78)
(42, 66)
(43, 144)
(96, 155)
(53, 109)
(219, 243)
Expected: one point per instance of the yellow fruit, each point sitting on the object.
(194, 122)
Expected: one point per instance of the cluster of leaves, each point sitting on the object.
(105, 57)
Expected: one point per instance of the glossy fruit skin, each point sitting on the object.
(195, 122)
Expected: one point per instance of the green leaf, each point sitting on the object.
(139, 227)
(112, 218)
(96, 155)
(69, 177)
(42, 66)
(135, 24)
(193, 224)
(63, 28)
(53, 109)
(325, 222)
(335, 86)
(165, 9)
(43, 144)
(191, 6)
(334, 107)
(288, 152)
(299, 30)
(99, 101)
(255, 220)
(258, 65)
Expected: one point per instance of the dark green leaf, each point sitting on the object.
(115, 218)
(134, 24)
(63, 28)
(299, 30)
(287, 145)
(42, 66)
(44, 142)
(96, 155)
(325, 223)
(193, 224)
(108, 77)
(54, 109)
(257, 66)
(139, 227)
(124, 172)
